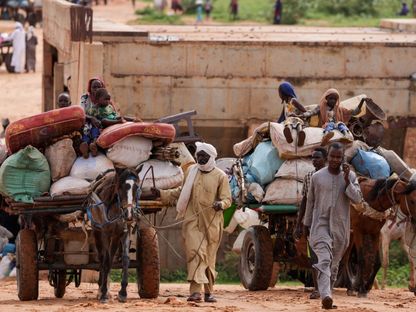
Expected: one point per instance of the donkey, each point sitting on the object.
(363, 258)
(111, 211)
(395, 229)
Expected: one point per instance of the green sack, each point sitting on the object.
(25, 175)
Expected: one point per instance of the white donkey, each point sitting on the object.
(398, 229)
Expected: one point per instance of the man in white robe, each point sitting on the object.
(328, 218)
(19, 48)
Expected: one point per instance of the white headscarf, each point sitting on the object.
(211, 151)
(185, 196)
(18, 25)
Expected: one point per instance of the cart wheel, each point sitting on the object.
(8, 62)
(256, 259)
(59, 289)
(148, 269)
(26, 265)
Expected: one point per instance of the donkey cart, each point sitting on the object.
(54, 237)
(269, 247)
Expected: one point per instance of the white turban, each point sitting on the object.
(211, 151)
(207, 148)
(185, 196)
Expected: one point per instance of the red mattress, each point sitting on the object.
(155, 131)
(40, 130)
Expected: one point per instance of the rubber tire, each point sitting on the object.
(258, 275)
(148, 269)
(59, 290)
(27, 274)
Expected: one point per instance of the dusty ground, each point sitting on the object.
(230, 298)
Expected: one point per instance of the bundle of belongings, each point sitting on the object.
(44, 157)
(274, 169)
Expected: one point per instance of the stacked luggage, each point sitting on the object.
(42, 159)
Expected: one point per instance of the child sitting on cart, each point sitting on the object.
(99, 115)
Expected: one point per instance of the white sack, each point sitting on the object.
(226, 163)
(70, 186)
(283, 191)
(246, 218)
(313, 140)
(88, 169)
(167, 175)
(130, 151)
(295, 169)
(61, 157)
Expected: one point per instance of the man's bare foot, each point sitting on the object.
(83, 148)
(93, 149)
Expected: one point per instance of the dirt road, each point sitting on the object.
(230, 298)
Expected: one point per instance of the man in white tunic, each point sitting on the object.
(328, 218)
(19, 48)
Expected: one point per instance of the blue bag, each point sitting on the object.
(371, 165)
(262, 164)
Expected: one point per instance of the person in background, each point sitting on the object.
(176, 6)
(31, 43)
(405, 9)
(201, 201)
(234, 9)
(277, 12)
(327, 218)
(208, 9)
(64, 100)
(319, 156)
(18, 37)
(199, 4)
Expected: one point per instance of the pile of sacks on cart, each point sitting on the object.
(39, 158)
(274, 169)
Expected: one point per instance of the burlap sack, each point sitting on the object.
(313, 140)
(61, 156)
(283, 191)
(295, 169)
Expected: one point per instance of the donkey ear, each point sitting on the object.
(139, 169)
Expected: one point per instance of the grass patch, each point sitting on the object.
(329, 13)
(148, 15)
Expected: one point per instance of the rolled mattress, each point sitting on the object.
(40, 130)
(154, 131)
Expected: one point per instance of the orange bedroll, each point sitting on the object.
(155, 131)
(40, 130)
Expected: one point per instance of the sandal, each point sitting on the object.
(195, 297)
